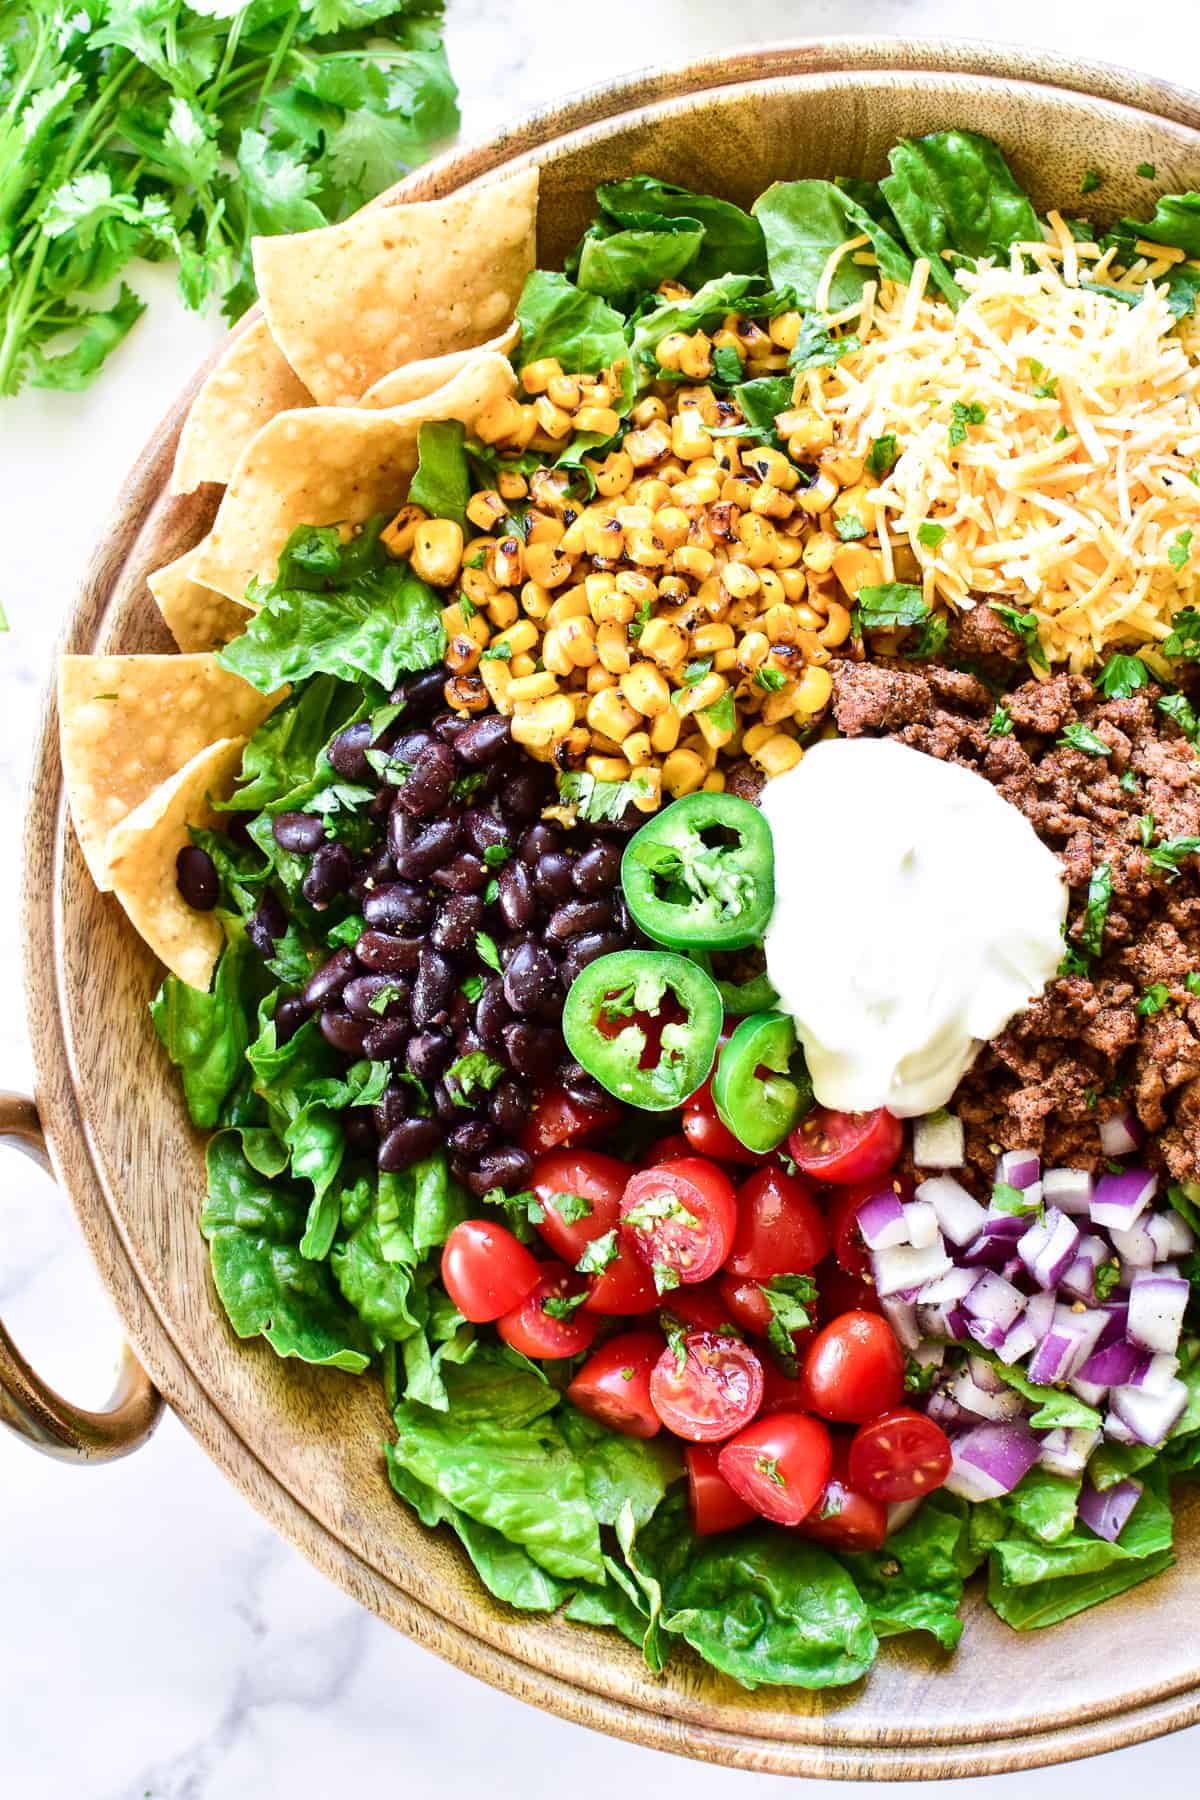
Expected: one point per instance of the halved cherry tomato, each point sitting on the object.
(712, 1503)
(535, 1332)
(854, 1368)
(699, 1307)
(838, 1292)
(713, 1393)
(779, 1465)
(899, 1456)
(624, 1286)
(840, 1146)
(614, 1384)
(753, 1312)
(562, 1181)
(681, 1216)
(844, 1518)
(780, 1230)
(705, 1132)
(781, 1393)
(485, 1270)
(558, 1120)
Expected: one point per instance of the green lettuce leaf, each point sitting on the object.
(442, 483)
(206, 1034)
(618, 264)
(1054, 1407)
(506, 1570)
(1053, 1600)
(915, 1583)
(620, 1471)
(285, 755)
(1044, 1505)
(749, 294)
(581, 330)
(732, 242)
(804, 222)
(1023, 1561)
(954, 191)
(1175, 220)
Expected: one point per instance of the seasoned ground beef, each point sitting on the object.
(1082, 1051)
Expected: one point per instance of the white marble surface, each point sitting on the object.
(157, 1639)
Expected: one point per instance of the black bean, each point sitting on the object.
(537, 841)
(289, 1017)
(460, 1014)
(395, 1104)
(330, 978)
(387, 1039)
(379, 805)
(449, 1107)
(524, 794)
(598, 870)
(348, 751)
(492, 1014)
(585, 1088)
(451, 726)
(622, 918)
(419, 852)
(359, 1127)
(428, 1054)
(343, 1032)
(358, 994)
(430, 779)
(463, 874)
(483, 741)
(457, 921)
(530, 978)
(507, 1168)
(509, 1107)
(471, 1139)
(196, 878)
(517, 900)
(466, 1041)
(431, 990)
(532, 1050)
(409, 746)
(377, 870)
(298, 831)
(267, 922)
(329, 874)
(552, 877)
(390, 955)
(583, 950)
(397, 905)
(484, 830)
(576, 916)
(407, 1143)
(421, 694)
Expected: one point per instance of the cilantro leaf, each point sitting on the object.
(1091, 935)
(883, 456)
(1025, 625)
(1172, 853)
(1121, 676)
(930, 534)
(891, 604)
(1179, 708)
(850, 528)
(1000, 724)
(1078, 736)
(1153, 1000)
(962, 416)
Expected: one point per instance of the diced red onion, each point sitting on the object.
(881, 1221)
(1048, 1247)
(1067, 1345)
(1120, 1200)
(994, 1299)
(944, 1410)
(1171, 1234)
(1116, 1310)
(1068, 1189)
(929, 1355)
(990, 1460)
(1066, 1450)
(1157, 1374)
(1135, 1247)
(939, 1301)
(1122, 1134)
(1115, 1365)
(1029, 1329)
(1150, 1417)
(994, 1245)
(938, 1141)
(1107, 1512)
(900, 1512)
(902, 1267)
(922, 1223)
(986, 1403)
(959, 1214)
(1078, 1279)
(1116, 1429)
(1092, 1393)
(1019, 1168)
(901, 1315)
(1157, 1304)
(985, 1375)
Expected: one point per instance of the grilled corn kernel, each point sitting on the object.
(706, 692)
(806, 431)
(605, 421)
(464, 621)
(777, 708)
(502, 419)
(683, 772)
(852, 501)
(397, 537)
(637, 748)
(819, 497)
(648, 791)
(645, 688)
(539, 686)
(612, 646)
(771, 467)
(486, 509)
(725, 660)
(736, 491)
(602, 536)
(856, 567)
(837, 626)
(740, 581)
(608, 768)
(537, 376)
(760, 542)
(437, 549)
(505, 562)
(689, 559)
(695, 358)
(776, 754)
(742, 614)
(546, 564)
(598, 678)
(649, 446)
(697, 491)
(497, 678)
(511, 486)
(523, 665)
(780, 624)
(609, 713)
(664, 731)
(663, 642)
(700, 746)
(671, 526)
(462, 655)
(716, 734)
(535, 600)
(819, 552)
(564, 391)
(813, 691)
(543, 528)
(465, 693)
(784, 329)
(689, 440)
(478, 585)
(753, 650)
(613, 475)
(846, 469)
(772, 502)
(539, 723)
(554, 655)
(578, 638)
(502, 609)
(552, 419)
(571, 605)
(707, 638)
(613, 607)
(755, 735)
(714, 782)
(670, 348)
(519, 637)
(570, 751)
(647, 410)
(645, 549)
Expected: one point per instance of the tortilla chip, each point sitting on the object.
(197, 617)
(350, 303)
(141, 856)
(252, 382)
(416, 380)
(127, 723)
(330, 465)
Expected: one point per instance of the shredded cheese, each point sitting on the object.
(1052, 431)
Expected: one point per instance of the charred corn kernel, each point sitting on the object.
(758, 539)
(664, 731)
(714, 782)
(728, 339)
(690, 559)
(736, 491)
(700, 746)
(806, 431)
(546, 564)
(578, 638)
(813, 691)
(707, 638)
(652, 493)
(855, 567)
(502, 609)
(564, 391)
(397, 537)
(535, 600)
(671, 526)
(853, 500)
(771, 467)
(645, 549)
(511, 486)
(649, 446)
(569, 752)
(673, 590)
(683, 772)
(743, 613)
(599, 678)
(721, 520)
(695, 357)
(602, 536)
(613, 608)
(505, 562)
(715, 733)
(612, 646)
(647, 410)
(611, 714)
(523, 664)
(770, 589)
(771, 503)
(753, 650)
(808, 618)
(819, 552)
(837, 625)
(551, 419)
(788, 550)
(554, 655)
(571, 605)
(436, 554)
(670, 348)
(794, 583)
(572, 538)
(497, 678)
(543, 528)
(478, 586)
(663, 642)
(778, 707)
(637, 748)
(784, 329)
(605, 421)
(775, 755)
(689, 440)
(464, 621)
(697, 491)
(845, 468)
(648, 792)
(502, 419)
(539, 723)
(613, 475)
(706, 692)
(486, 509)
(756, 735)
(725, 660)
(465, 693)
(580, 699)
(608, 768)
(537, 376)
(634, 517)
(819, 497)
(753, 337)
(462, 655)
(780, 624)
(539, 686)
(604, 746)
(740, 581)
(645, 688)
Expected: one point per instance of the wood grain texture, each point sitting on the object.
(304, 1445)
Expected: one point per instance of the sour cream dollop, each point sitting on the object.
(916, 912)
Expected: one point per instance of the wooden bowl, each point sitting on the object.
(304, 1445)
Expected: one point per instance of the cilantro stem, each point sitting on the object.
(273, 67)
(17, 312)
(19, 93)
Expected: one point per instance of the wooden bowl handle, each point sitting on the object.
(30, 1408)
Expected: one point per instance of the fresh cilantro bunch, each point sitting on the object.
(182, 128)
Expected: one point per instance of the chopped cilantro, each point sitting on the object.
(1121, 676)
(640, 620)
(1014, 1201)
(561, 1306)
(1191, 981)
(696, 671)
(963, 416)
(1172, 853)
(1153, 1000)
(1180, 550)
(850, 528)
(721, 713)
(883, 456)
(1025, 625)
(1091, 934)
(1106, 1278)
(1146, 830)
(1000, 724)
(656, 1207)
(598, 1254)
(891, 604)
(931, 637)
(472, 987)
(769, 1466)
(383, 998)
(1179, 708)
(790, 1298)
(496, 855)
(1184, 639)
(497, 653)
(930, 534)
(471, 1073)
(770, 680)
(1078, 736)
(1092, 179)
(571, 1207)
(1044, 389)
(1129, 782)
(1147, 171)
(726, 365)
(491, 892)
(486, 951)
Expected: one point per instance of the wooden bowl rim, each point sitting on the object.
(819, 1747)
